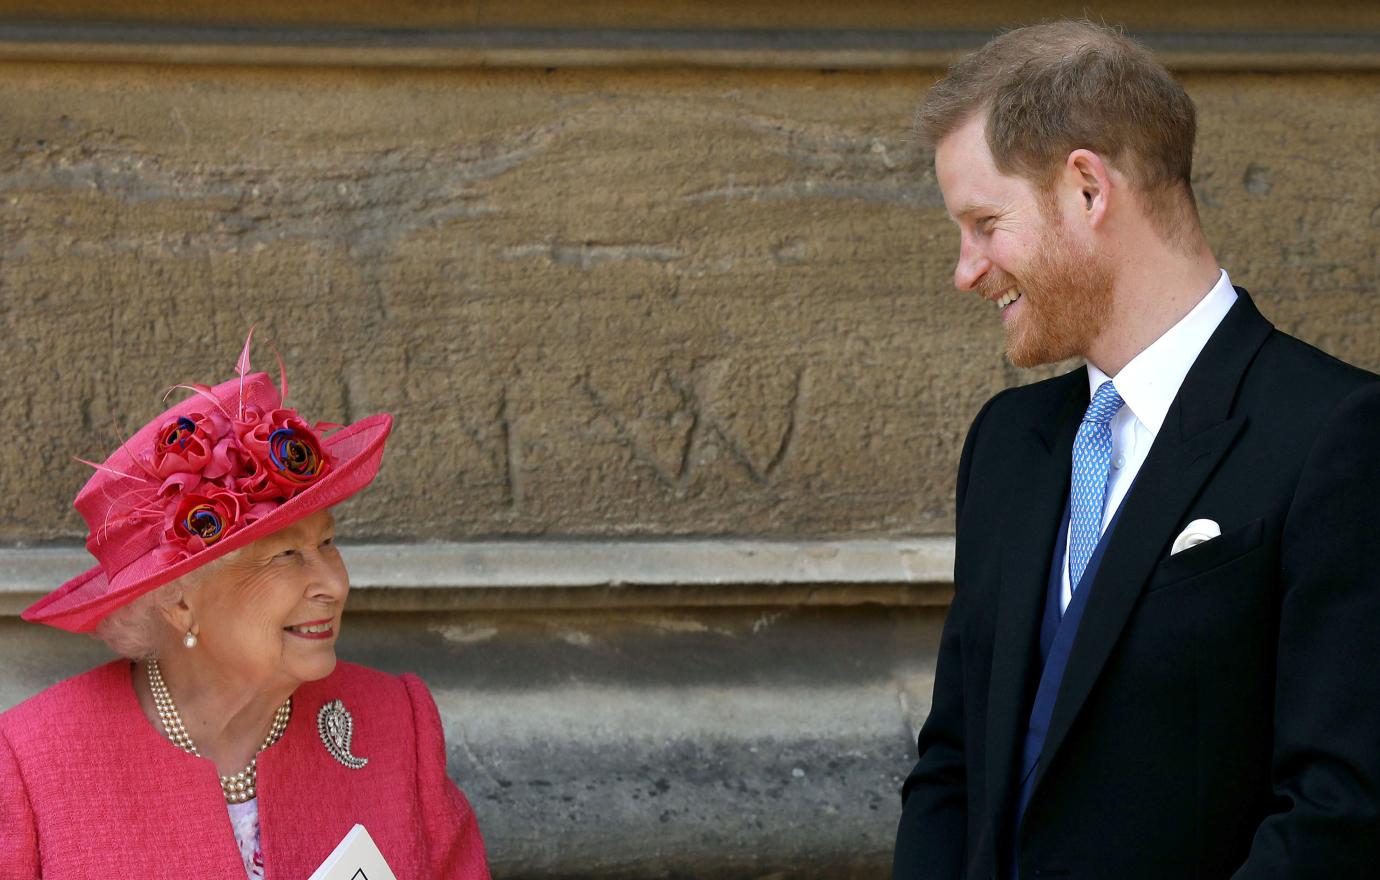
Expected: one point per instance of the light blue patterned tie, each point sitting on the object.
(1092, 456)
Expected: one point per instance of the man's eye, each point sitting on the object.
(329, 542)
(286, 554)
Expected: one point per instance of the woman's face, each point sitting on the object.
(269, 617)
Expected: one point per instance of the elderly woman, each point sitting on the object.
(230, 741)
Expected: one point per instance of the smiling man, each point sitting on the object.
(1163, 654)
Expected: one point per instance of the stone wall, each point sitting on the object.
(690, 304)
(599, 302)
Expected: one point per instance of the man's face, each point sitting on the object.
(1018, 251)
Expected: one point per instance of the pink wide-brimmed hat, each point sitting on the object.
(223, 468)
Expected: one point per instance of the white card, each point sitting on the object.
(355, 858)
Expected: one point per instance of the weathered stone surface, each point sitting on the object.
(660, 743)
(604, 304)
(599, 302)
(1226, 15)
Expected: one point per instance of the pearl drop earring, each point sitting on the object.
(189, 640)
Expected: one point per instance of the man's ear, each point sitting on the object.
(1088, 176)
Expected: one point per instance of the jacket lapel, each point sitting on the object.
(1037, 503)
(1197, 432)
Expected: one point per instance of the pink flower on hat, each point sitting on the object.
(184, 444)
(200, 519)
(220, 473)
(284, 454)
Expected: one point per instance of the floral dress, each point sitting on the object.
(244, 819)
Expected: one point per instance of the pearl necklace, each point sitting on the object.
(239, 787)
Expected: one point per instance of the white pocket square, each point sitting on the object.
(1195, 533)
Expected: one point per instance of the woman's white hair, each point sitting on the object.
(138, 630)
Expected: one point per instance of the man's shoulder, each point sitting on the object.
(1034, 401)
(1308, 363)
(1290, 375)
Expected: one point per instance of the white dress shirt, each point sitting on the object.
(1148, 385)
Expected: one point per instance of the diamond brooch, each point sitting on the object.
(337, 728)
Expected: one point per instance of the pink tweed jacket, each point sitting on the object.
(89, 789)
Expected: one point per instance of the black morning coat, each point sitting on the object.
(1220, 713)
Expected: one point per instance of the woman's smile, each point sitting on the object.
(316, 629)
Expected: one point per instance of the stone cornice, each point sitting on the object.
(560, 574)
(857, 49)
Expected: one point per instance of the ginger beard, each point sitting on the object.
(1066, 299)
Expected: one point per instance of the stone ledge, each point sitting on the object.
(344, 46)
(723, 743)
(518, 575)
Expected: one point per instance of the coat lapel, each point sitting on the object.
(1198, 430)
(1037, 502)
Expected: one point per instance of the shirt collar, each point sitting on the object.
(1149, 383)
